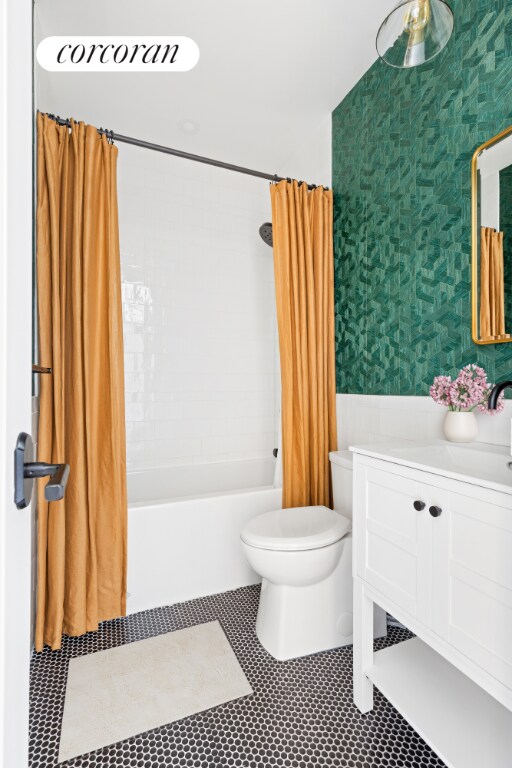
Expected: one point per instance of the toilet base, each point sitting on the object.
(298, 621)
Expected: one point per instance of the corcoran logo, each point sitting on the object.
(117, 54)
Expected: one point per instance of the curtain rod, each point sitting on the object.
(179, 153)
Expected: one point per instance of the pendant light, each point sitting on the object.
(414, 32)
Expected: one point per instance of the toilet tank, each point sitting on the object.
(341, 472)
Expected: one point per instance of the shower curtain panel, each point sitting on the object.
(81, 576)
(304, 276)
(492, 286)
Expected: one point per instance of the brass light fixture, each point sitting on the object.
(414, 32)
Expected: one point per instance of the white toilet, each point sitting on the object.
(304, 556)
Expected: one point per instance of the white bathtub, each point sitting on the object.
(184, 528)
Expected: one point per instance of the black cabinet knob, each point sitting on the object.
(419, 505)
(435, 511)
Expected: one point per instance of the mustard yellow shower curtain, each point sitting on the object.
(304, 276)
(492, 286)
(81, 575)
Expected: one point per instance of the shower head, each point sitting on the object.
(266, 233)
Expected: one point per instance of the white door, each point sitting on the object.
(15, 369)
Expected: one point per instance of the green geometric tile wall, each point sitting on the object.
(402, 146)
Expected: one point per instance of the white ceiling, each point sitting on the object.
(269, 72)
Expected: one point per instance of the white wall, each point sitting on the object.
(202, 370)
(198, 309)
(490, 162)
(313, 161)
(366, 419)
(490, 201)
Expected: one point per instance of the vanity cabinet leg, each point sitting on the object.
(363, 647)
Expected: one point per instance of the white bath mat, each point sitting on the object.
(112, 695)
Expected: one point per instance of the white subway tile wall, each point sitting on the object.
(201, 371)
(366, 419)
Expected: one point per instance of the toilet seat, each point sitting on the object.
(296, 529)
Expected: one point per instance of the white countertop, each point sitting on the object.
(476, 463)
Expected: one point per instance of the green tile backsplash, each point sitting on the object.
(402, 146)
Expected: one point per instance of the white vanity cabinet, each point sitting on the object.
(436, 553)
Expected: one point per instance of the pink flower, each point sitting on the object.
(440, 390)
(468, 391)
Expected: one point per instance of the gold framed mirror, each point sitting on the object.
(491, 240)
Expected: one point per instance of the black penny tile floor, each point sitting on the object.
(301, 714)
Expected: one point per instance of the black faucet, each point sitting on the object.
(496, 392)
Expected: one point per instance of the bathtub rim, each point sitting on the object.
(200, 496)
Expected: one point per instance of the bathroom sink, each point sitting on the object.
(488, 465)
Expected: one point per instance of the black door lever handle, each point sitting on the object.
(25, 472)
(58, 474)
(39, 469)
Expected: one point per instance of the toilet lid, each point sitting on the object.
(294, 529)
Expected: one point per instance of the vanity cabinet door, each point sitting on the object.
(393, 549)
(472, 578)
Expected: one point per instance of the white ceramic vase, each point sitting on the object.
(460, 426)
